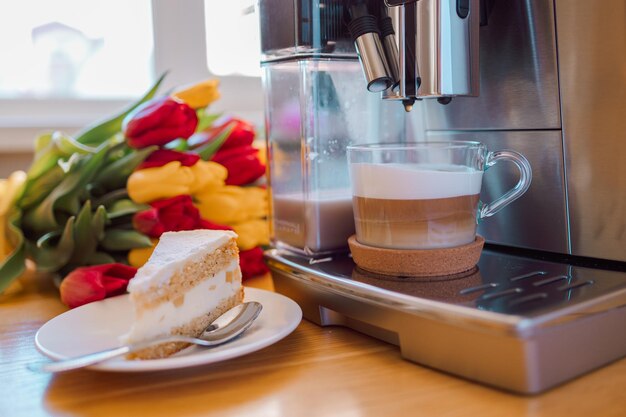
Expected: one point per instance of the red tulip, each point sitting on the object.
(251, 263)
(172, 215)
(205, 224)
(242, 133)
(243, 164)
(158, 122)
(161, 157)
(168, 215)
(93, 283)
(236, 152)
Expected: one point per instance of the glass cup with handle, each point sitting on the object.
(425, 195)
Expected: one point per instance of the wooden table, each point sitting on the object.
(313, 372)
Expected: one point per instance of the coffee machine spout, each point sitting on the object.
(410, 79)
(437, 48)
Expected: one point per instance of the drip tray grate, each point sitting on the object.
(514, 323)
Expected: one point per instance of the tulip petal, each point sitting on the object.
(161, 157)
(158, 122)
(93, 283)
(82, 287)
(252, 263)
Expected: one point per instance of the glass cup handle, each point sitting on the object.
(488, 210)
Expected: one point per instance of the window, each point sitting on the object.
(237, 21)
(67, 63)
(75, 49)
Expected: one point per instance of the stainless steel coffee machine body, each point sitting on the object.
(552, 86)
(543, 77)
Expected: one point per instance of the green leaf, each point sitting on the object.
(67, 145)
(99, 258)
(37, 190)
(50, 148)
(115, 174)
(42, 141)
(179, 145)
(111, 197)
(98, 222)
(48, 237)
(85, 241)
(118, 151)
(46, 157)
(65, 195)
(205, 119)
(68, 206)
(119, 239)
(125, 207)
(50, 257)
(67, 164)
(77, 242)
(15, 263)
(104, 130)
(207, 151)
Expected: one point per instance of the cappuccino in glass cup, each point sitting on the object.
(425, 195)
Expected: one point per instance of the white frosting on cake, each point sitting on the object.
(413, 181)
(199, 300)
(174, 250)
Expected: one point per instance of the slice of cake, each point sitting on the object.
(191, 278)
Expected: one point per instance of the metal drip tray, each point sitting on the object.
(514, 323)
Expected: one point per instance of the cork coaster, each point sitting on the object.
(433, 263)
(447, 288)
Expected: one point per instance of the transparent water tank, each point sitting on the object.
(315, 107)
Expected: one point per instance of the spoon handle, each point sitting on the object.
(78, 362)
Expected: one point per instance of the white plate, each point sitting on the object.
(97, 326)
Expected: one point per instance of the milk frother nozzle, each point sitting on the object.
(365, 34)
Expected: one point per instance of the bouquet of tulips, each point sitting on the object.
(91, 208)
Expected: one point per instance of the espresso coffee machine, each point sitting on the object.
(547, 301)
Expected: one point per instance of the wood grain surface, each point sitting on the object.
(315, 371)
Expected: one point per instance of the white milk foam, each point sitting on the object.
(413, 182)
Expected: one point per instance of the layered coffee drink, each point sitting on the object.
(403, 206)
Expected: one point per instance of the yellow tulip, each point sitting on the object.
(199, 95)
(252, 233)
(172, 179)
(232, 204)
(9, 190)
(166, 181)
(262, 147)
(139, 256)
(207, 176)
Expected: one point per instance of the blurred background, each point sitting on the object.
(68, 63)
